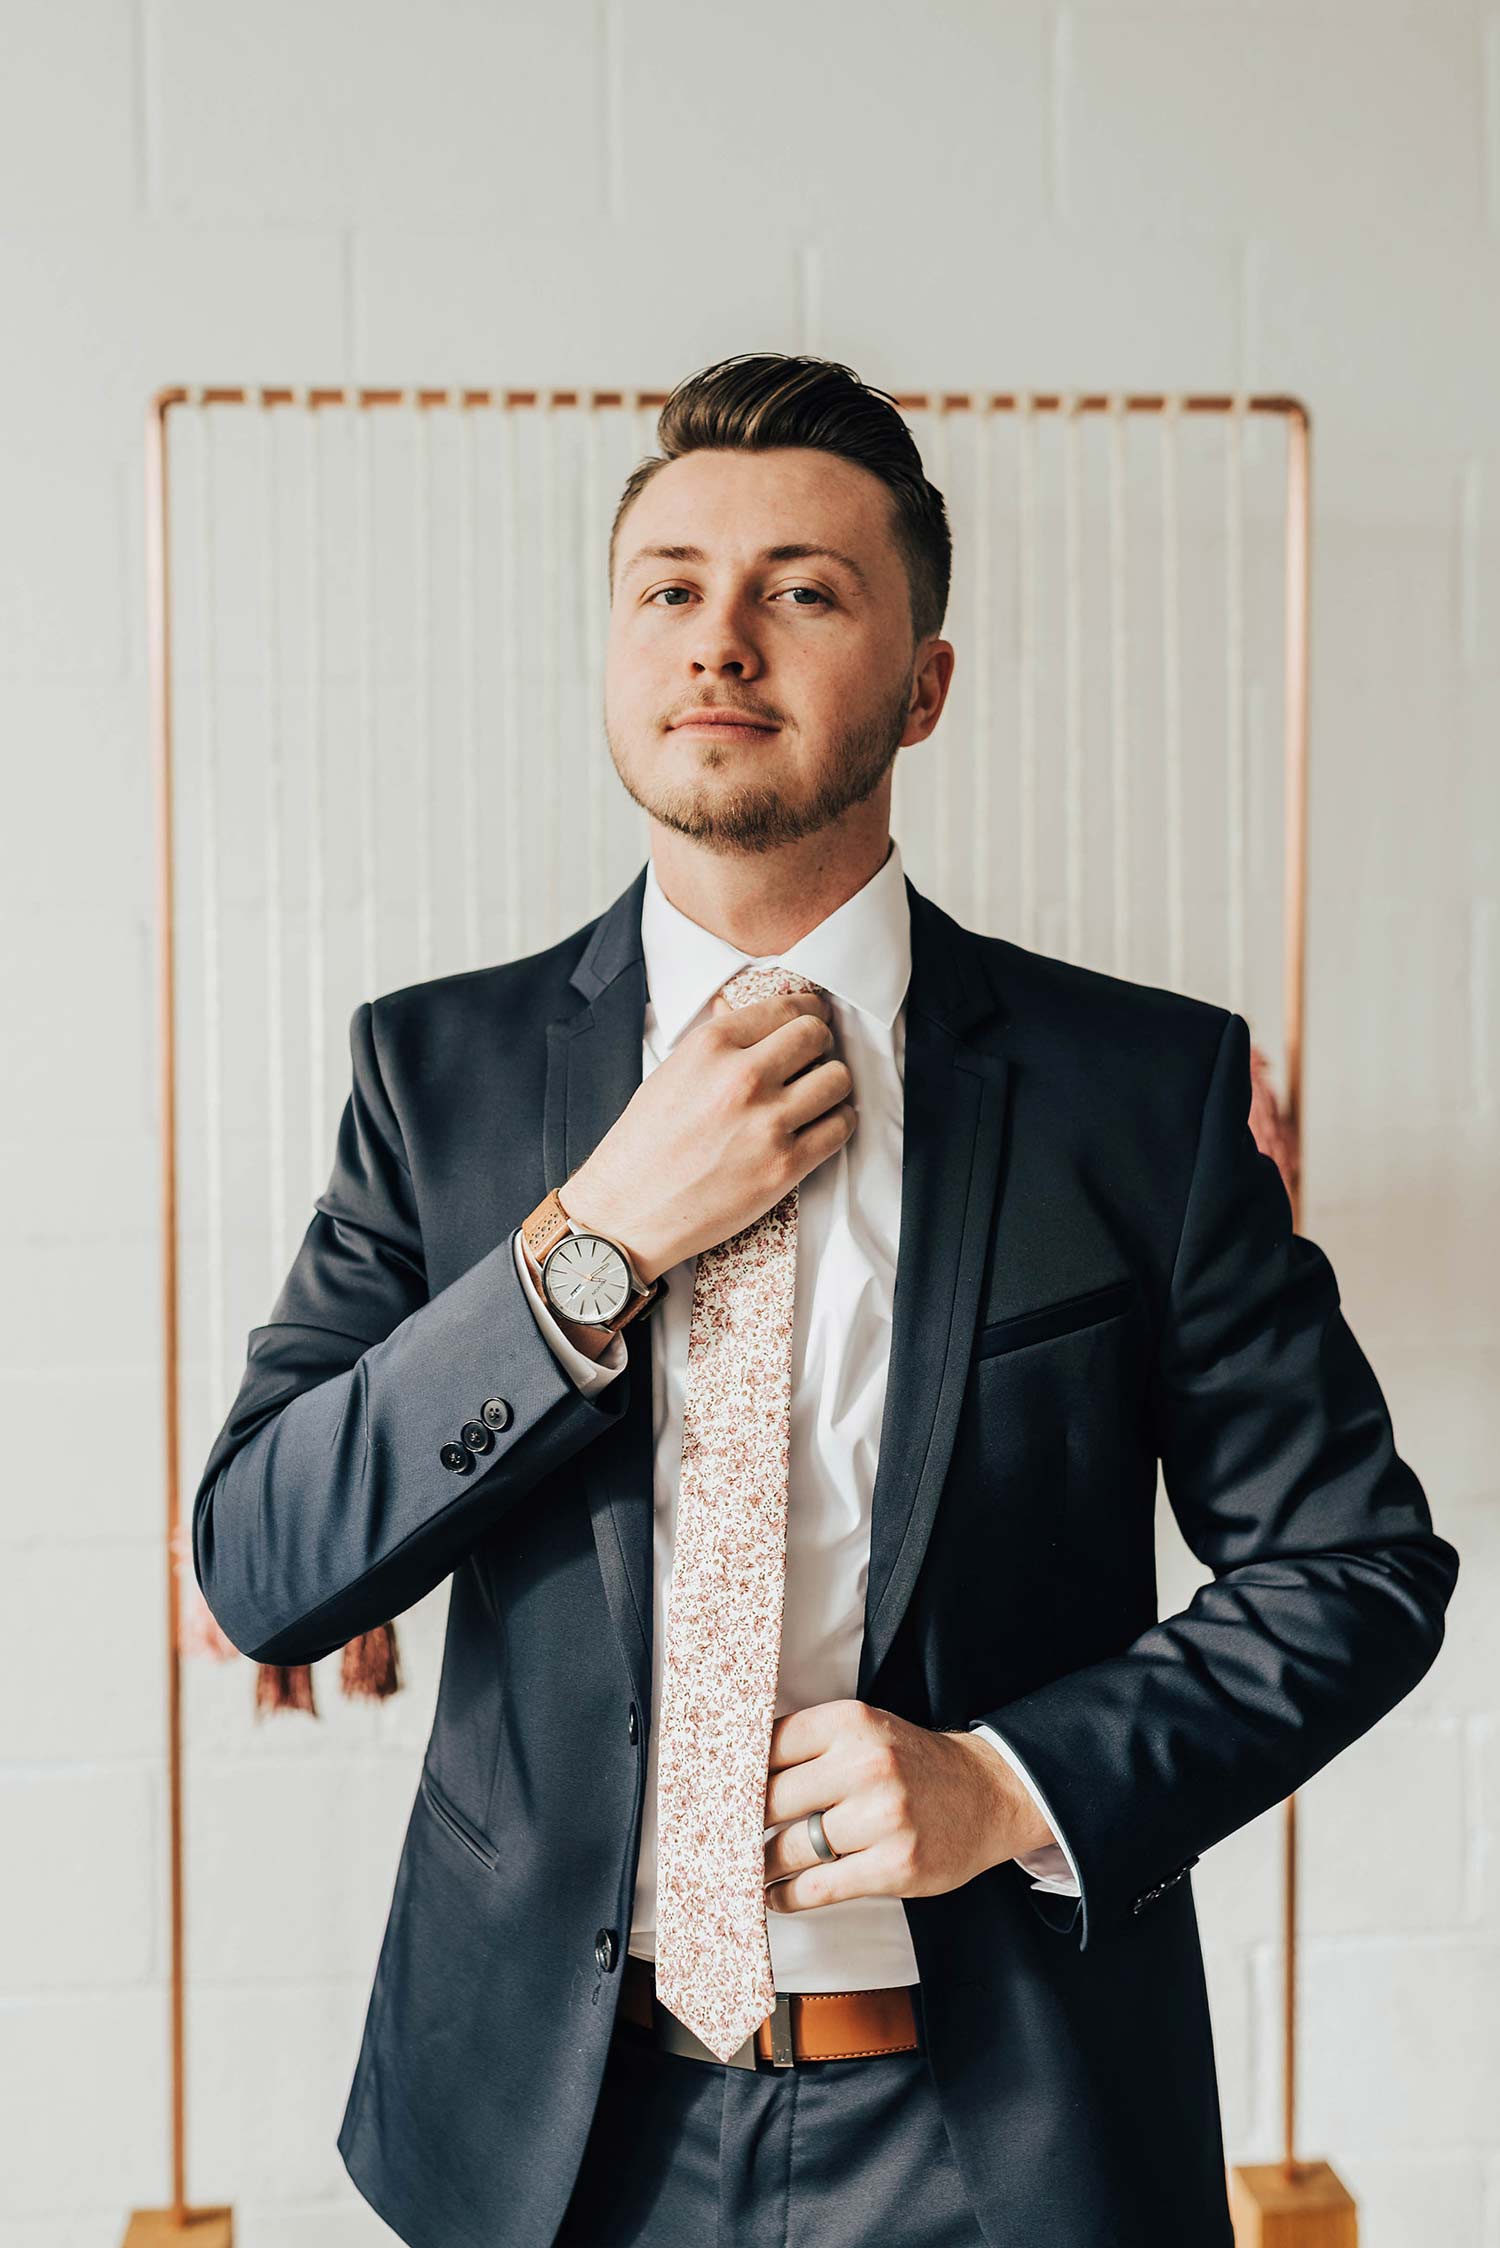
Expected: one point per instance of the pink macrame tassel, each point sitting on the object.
(371, 1668)
(284, 1686)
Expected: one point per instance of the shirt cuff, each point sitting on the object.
(1052, 1867)
(589, 1374)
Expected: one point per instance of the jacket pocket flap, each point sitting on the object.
(458, 1824)
(1060, 1318)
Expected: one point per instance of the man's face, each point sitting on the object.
(818, 650)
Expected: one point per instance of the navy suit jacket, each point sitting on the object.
(1096, 1270)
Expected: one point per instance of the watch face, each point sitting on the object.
(586, 1278)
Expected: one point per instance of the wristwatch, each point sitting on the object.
(585, 1277)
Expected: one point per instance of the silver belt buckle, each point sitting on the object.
(678, 2038)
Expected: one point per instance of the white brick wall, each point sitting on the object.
(1301, 197)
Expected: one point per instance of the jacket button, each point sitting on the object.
(632, 1727)
(458, 1457)
(495, 1412)
(605, 1947)
(477, 1436)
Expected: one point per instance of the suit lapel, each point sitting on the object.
(955, 1105)
(954, 1116)
(593, 1067)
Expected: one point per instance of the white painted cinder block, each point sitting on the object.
(499, 306)
(1463, 1680)
(1412, 2198)
(846, 114)
(1381, 1835)
(1399, 2044)
(1232, 120)
(82, 2087)
(69, 150)
(56, 1600)
(1040, 307)
(1231, 2006)
(292, 1868)
(77, 1508)
(125, 306)
(296, 2044)
(399, 111)
(69, 1925)
(350, 2223)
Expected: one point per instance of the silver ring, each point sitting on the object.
(819, 1839)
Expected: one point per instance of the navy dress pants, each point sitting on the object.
(685, 2153)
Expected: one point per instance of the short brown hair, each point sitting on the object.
(762, 399)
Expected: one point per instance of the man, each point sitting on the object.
(770, 1306)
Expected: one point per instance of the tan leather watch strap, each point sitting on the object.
(548, 1224)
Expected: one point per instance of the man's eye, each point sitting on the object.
(812, 589)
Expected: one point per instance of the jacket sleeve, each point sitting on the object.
(1329, 1584)
(325, 1506)
(1051, 1867)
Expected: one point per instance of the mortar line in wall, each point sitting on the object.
(1476, 1734)
(349, 261)
(1489, 115)
(612, 100)
(810, 295)
(146, 93)
(1482, 941)
(1470, 514)
(1060, 59)
(1489, 2214)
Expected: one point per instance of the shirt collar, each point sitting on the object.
(861, 953)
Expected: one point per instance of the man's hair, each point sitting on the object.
(762, 399)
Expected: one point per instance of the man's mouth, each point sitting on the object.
(718, 723)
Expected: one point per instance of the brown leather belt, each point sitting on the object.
(804, 2025)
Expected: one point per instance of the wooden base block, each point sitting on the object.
(1311, 2209)
(203, 2228)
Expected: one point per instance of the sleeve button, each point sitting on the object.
(495, 1412)
(458, 1457)
(477, 1436)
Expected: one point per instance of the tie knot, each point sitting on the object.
(763, 983)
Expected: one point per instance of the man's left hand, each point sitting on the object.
(912, 1813)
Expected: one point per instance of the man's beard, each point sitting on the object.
(754, 815)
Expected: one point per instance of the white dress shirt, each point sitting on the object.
(848, 1226)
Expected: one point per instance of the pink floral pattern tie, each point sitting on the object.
(723, 1648)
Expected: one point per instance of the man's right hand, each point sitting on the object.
(740, 1111)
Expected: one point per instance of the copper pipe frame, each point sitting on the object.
(158, 591)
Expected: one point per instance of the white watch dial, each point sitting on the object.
(586, 1278)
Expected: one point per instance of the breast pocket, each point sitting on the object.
(1064, 1317)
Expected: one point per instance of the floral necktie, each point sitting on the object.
(723, 1644)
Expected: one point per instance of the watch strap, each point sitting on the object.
(548, 1224)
